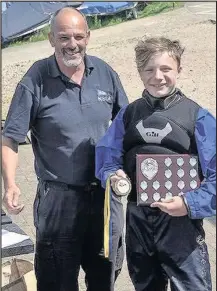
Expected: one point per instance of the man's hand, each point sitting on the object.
(11, 200)
(174, 207)
(117, 176)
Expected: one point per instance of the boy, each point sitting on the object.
(167, 237)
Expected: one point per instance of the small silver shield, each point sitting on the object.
(144, 197)
(149, 168)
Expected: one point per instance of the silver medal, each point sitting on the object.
(168, 185)
(156, 196)
(144, 185)
(156, 185)
(122, 187)
(193, 184)
(168, 174)
(149, 168)
(193, 161)
(144, 197)
(181, 184)
(180, 173)
(193, 173)
(168, 162)
(180, 162)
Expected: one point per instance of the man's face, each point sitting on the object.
(160, 74)
(70, 38)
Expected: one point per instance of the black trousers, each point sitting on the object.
(69, 233)
(160, 246)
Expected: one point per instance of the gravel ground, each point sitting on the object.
(116, 46)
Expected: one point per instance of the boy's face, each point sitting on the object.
(160, 74)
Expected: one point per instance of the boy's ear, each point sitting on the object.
(179, 70)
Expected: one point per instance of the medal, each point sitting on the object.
(122, 187)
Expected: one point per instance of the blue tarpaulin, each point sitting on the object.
(22, 18)
(105, 8)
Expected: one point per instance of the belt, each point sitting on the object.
(63, 186)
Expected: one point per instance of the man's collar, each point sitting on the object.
(162, 103)
(54, 71)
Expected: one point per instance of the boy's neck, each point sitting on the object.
(162, 102)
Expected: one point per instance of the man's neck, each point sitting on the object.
(73, 73)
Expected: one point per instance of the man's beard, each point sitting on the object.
(72, 63)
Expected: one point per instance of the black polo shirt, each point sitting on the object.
(66, 120)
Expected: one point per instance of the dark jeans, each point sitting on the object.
(160, 246)
(69, 227)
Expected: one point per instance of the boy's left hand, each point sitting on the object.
(174, 207)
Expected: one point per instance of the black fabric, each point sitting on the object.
(179, 140)
(69, 226)
(159, 244)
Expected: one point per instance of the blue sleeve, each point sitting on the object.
(202, 201)
(121, 99)
(109, 149)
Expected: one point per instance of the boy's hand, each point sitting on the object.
(174, 207)
(117, 176)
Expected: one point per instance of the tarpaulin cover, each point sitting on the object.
(104, 8)
(21, 17)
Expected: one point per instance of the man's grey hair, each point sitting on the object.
(53, 18)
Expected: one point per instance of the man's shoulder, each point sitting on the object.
(38, 67)
(37, 72)
(99, 63)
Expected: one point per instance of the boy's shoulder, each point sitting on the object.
(188, 99)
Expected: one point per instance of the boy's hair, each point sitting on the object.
(151, 46)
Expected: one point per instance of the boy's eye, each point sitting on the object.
(79, 37)
(165, 70)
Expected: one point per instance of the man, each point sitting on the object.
(67, 100)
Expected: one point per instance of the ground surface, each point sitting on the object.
(116, 46)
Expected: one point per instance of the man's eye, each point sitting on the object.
(148, 70)
(64, 38)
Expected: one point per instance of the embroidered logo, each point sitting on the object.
(153, 135)
(103, 96)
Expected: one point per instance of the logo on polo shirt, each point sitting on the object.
(153, 135)
(104, 96)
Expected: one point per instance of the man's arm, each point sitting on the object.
(21, 114)
(109, 150)
(120, 97)
(9, 165)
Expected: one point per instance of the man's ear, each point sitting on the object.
(179, 70)
(88, 37)
(50, 37)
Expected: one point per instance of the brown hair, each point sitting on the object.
(146, 49)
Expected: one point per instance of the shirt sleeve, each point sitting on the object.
(109, 149)
(120, 97)
(202, 201)
(21, 114)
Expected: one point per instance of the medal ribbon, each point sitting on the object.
(107, 219)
